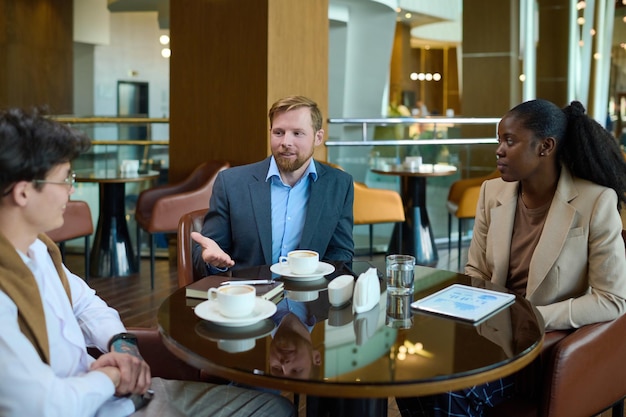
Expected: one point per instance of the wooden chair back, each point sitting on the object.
(189, 222)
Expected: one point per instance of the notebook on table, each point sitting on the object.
(199, 289)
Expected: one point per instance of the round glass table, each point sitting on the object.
(391, 350)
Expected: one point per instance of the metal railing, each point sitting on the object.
(361, 144)
(438, 125)
(119, 121)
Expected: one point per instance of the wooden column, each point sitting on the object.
(490, 57)
(401, 65)
(491, 62)
(230, 61)
(36, 54)
(491, 69)
(492, 65)
(552, 51)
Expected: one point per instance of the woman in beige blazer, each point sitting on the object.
(542, 230)
(548, 229)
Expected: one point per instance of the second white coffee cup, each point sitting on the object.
(234, 301)
(301, 261)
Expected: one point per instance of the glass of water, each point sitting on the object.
(400, 274)
(399, 314)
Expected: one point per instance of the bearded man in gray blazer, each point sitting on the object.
(261, 211)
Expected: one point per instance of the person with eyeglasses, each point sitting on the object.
(69, 181)
(50, 316)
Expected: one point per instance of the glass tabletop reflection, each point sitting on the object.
(310, 346)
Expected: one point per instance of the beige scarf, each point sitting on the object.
(18, 282)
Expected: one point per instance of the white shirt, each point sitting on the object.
(28, 386)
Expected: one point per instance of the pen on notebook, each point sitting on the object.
(250, 282)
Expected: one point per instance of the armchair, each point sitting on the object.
(374, 205)
(581, 373)
(189, 222)
(461, 203)
(160, 208)
(162, 362)
(77, 223)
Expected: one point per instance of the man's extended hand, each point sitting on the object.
(212, 254)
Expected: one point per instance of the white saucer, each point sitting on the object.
(208, 310)
(322, 269)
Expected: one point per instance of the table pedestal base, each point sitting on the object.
(417, 235)
(112, 253)
(345, 407)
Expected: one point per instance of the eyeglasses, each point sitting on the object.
(69, 181)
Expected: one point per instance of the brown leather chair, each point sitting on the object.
(163, 363)
(77, 223)
(580, 373)
(160, 208)
(461, 203)
(189, 222)
(371, 205)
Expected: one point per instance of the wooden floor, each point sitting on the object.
(137, 304)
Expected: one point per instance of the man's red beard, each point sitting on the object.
(290, 165)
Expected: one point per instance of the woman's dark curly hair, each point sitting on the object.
(587, 149)
(32, 144)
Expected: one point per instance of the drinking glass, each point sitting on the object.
(400, 274)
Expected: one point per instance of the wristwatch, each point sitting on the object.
(140, 401)
(126, 337)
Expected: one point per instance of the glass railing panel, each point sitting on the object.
(115, 139)
(360, 145)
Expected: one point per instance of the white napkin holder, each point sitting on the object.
(366, 292)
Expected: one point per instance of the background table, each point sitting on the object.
(368, 357)
(417, 235)
(112, 251)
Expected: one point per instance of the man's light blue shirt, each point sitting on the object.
(289, 206)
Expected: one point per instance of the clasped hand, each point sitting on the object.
(129, 372)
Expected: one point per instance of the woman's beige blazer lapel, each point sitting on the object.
(501, 230)
(558, 223)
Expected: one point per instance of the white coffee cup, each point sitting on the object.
(301, 262)
(236, 345)
(234, 301)
(302, 295)
(130, 166)
(340, 290)
(413, 162)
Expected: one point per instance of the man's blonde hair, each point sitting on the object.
(295, 102)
